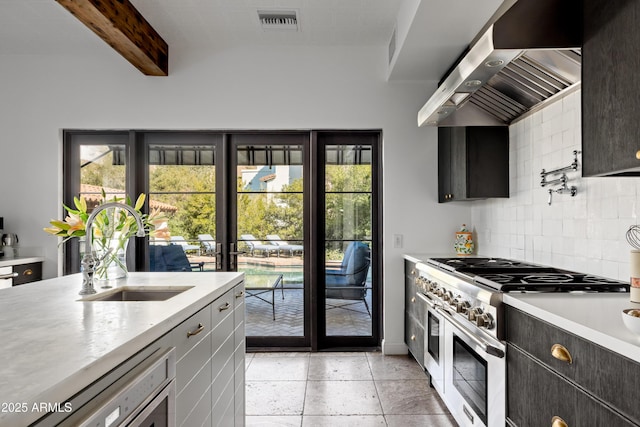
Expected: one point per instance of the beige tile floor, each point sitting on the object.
(340, 389)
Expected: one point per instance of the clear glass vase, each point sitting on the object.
(112, 254)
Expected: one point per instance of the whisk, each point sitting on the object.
(633, 236)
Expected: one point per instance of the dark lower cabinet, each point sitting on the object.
(414, 315)
(598, 388)
(27, 273)
(610, 105)
(537, 394)
(473, 163)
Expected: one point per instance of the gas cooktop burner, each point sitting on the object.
(563, 281)
(548, 278)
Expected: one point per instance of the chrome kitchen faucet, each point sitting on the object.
(89, 261)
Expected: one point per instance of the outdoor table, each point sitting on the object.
(258, 284)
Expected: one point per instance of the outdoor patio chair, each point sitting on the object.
(208, 242)
(171, 258)
(348, 282)
(256, 245)
(283, 245)
(180, 241)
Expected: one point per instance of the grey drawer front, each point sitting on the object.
(222, 307)
(536, 394)
(222, 333)
(603, 373)
(239, 296)
(414, 338)
(223, 380)
(221, 402)
(222, 356)
(180, 335)
(416, 307)
(238, 354)
(227, 418)
(239, 407)
(191, 394)
(200, 413)
(191, 364)
(409, 268)
(239, 377)
(238, 335)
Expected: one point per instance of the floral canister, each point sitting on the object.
(464, 241)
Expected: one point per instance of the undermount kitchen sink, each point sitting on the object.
(138, 293)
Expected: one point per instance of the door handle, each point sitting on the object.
(234, 256)
(218, 254)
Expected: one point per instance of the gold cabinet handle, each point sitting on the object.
(638, 154)
(197, 331)
(240, 294)
(28, 272)
(413, 299)
(413, 337)
(224, 307)
(560, 352)
(556, 421)
(413, 272)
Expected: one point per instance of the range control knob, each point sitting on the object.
(454, 300)
(485, 320)
(448, 296)
(474, 313)
(461, 306)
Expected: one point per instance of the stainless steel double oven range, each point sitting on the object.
(464, 344)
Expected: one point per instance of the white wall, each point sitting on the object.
(287, 88)
(585, 233)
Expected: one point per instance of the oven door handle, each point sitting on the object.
(488, 348)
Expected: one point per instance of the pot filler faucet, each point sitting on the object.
(89, 261)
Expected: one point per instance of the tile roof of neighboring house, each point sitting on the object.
(93, 195)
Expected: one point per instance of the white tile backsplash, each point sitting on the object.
(584, 233)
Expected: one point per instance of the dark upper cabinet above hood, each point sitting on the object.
(531, 53)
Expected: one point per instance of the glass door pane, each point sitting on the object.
(348, 240)
(102, 169)
(182, 187)
(270, 237)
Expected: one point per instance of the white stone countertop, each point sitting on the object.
(596, 317)
(9, 261)
(53, 345)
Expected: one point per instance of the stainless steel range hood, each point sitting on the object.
(528, 56)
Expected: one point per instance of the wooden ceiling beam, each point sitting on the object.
(119, 23)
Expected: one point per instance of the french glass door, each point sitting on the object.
(268, 180)
(347, 214)
(182, 183)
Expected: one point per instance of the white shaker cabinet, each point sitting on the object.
(210, 350)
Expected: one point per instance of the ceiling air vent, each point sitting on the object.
(279, 20)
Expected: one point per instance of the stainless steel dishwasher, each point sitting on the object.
(143, 397)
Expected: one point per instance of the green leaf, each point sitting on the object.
(60, 224)
(140, 201)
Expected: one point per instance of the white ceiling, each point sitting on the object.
(43, 26)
